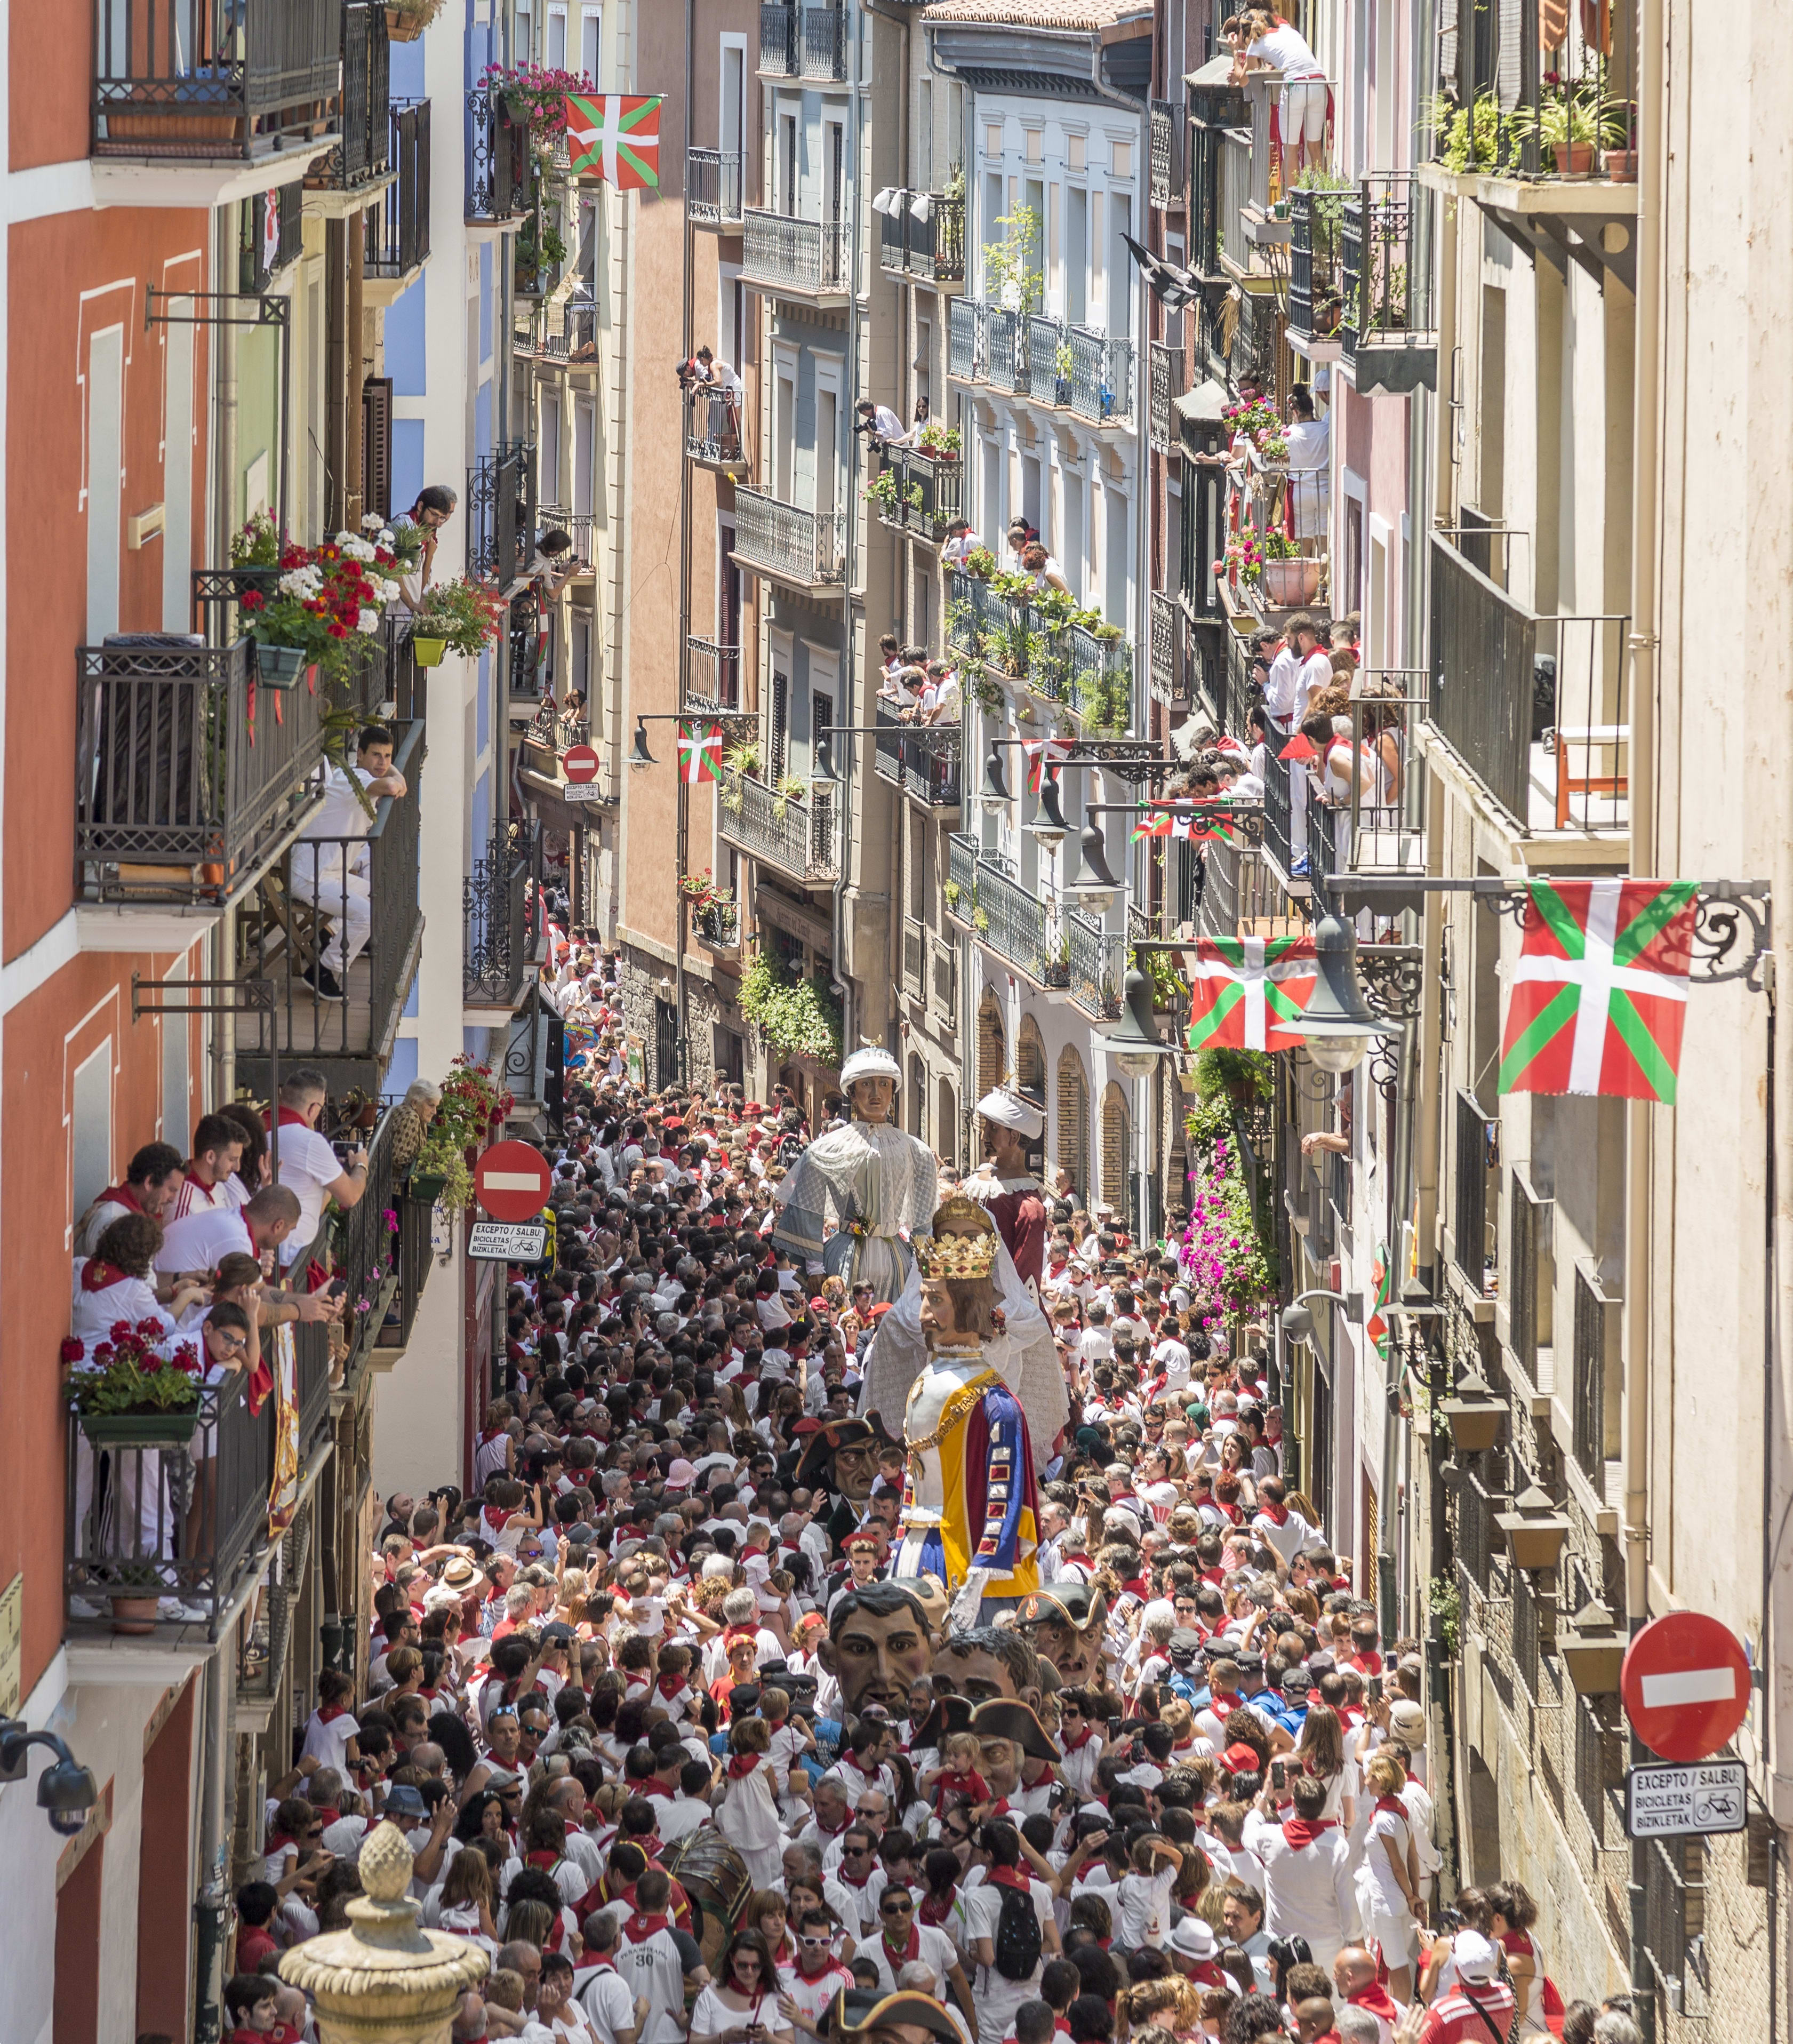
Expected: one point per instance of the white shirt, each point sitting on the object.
(199, 1241)
(609, 2005)
(938, 1951)
(886, 423)
(328, 1743)
(1285, 50)
(1282, 691)
(1307, 1893)
(983, 1911)
(653, 1968)
(308, 1165)
(342, 816)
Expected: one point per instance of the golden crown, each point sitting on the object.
(956, 1255)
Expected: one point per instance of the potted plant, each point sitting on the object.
(324, 604)
(981, 564)
(137, 1389)
(136, 1600)
(535, 96)
(457, 616)
(1569, 121)
(1289, 576)
(406, 20)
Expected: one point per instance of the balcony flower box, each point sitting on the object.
(140, 1430)
(426, 1187)
(138, 1390)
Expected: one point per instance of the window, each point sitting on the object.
(585, 437)
(548, 445)
(821, 715)
(1120, 263)
(557, 39)
(787, 165)
(523, 35)
(1117, 1148)
(176, 1117)
(1073, 1134)
(106, 458)
(780, 723)
(91, 1159)
(591, 43)
(1077, 255)
(177, 474)
(993, 1055)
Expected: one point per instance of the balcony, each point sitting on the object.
(216, 81)
(713, 674)
(382, 1255)
(929, 245)
(580, 528)
(917, 492)
(1009, 921)
(1097, 961)
(501, 514)
(712, 430)
(1388, 328)
(1380, 829)
(1478, 1176)
(717, 927)
(496, 918)
(1072, 369)
(806, 549)
(1169, 678)
(799, 259)
(398, 228)
(1166, 370)
(803, 42)
(1537, 709)
(1101, 377)
(1035, 649)
(341, 911)
(712, 188)
(1166, 171)
(257, 265)
(187, 780)
(364, 152)
(795, 835)
(1238, 256)
(1316, 283)
(542, 763)
(501, 173)
(923, 763)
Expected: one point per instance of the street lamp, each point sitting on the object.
(1134, 1042)
(1095, 885)
(639, 754)
(996, 787)
(1049, 825)
(1336, 1025)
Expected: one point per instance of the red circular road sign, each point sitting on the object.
(512, 1180)
(581, 763)
(1686, 1685)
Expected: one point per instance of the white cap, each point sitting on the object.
(1476, 1959)
(870, 1063)
(1009, 1110)
(1191, 1937)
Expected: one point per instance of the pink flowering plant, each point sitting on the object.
(1229, 1264)
(537, 96)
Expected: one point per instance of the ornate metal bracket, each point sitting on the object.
(1732, 932)
(1393, 979)
(1134, 760)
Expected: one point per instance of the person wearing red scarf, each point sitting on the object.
(1354, 1974)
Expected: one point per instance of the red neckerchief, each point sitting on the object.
(638, 1928)
(654, 1790)
(911, 1951)
(1079, 1557)
(672, 1686)
(742, 1765)
(1376, 1998)
(851, 1880)
(120, 1196)
(496, 1519)
(189, 1179)
(490, 1434)
(329, 1816)
(934, 1911)
(1137, 1587)
(98, 1277)
(833, 1830)
(1229, 1512)
(1224, 1702)
(1277, 1514)
(1300, 1832)
(1010, 1876)
(329, 1713)
(1394, 1805)
(1206, 1973)
(1076, 1745)
(289, 1118)
(540, 1858)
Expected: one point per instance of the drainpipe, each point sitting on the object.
(211, 1908)
(687, 288)
(1652, 141)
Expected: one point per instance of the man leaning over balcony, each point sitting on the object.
(330, 871)
(308, 1163)
(434, 508)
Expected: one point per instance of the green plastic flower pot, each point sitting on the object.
(426, 1187)
(280, 666)
(140, 1430)
(428, 652)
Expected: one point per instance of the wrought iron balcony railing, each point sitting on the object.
(206, 80)
(930, 245)
(398, 227)
(804, 258)
(1166, 178)
(495, 909)
(796, 834)
(922, 494)
(1316, 219)
(187, 779)
(364, 152)
(712, 187)
(923, 762)
(501, 513)
(1167, 387)
(501, 174)
(714, 673)
(1387, 327)
(257, 264)
(712, 427)
(334, 926)
(783, 541)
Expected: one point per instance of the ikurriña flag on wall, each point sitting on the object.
(616, 136)
(1599, 991)
(1246, 992)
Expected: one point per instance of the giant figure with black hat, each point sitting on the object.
(842, 1456)
(970, 1502)
(1005, 1185)
(875, 1184)
(1067, 1624)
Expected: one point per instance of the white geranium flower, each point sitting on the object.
(371, 521)
(345, 539)
(369, 620)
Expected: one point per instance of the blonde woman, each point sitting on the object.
(1388, 1879)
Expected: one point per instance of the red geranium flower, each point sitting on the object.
(73, 1351)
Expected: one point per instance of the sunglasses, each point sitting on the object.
(815, 1944)
(897, 1906)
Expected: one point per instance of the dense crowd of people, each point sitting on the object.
(670, 1743)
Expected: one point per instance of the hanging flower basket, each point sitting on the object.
(427, 651)
(140, 1430)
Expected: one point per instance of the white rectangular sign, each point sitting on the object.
(583, 791)
(1680, 1802)
(508, 1241)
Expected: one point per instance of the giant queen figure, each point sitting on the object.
(970, 1503)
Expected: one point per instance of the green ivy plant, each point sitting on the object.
(798, 1018)
(1010, 278)
(1445, 1602)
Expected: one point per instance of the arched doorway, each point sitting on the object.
(945, 1139)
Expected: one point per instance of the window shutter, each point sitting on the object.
(1073, 1121)
(1114, 1149)
(376, 445)
(990, 1056)
(1030, 1061)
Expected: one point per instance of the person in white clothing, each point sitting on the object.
(1271, 43)
(308, 1165)
(647, 1957)
(1309, 469)
(330, 870)
(217, 1150)
(996, 1994)
(743, 1999)
(614, 2013)
(1307, 1862)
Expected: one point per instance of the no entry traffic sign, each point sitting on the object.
(511, 1182)
(580, 762)
(1686, 1685)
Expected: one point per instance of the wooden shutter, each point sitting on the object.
(1030, 1061)
(1073, 1121)
(1114, 1149)
(991, 1057)
(376, 445)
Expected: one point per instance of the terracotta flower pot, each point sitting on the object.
(1294, 581)
(1620, 166)
(135, 1616)
(1573, 157)
(404, 27)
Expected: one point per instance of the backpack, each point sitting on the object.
(1018, 1944)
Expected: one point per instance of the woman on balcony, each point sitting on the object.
(1263, 41)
